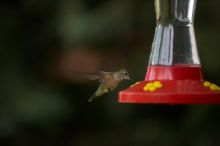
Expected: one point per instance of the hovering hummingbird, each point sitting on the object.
(108, 81)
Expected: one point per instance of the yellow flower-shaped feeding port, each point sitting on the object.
(153, 86)
(135, 84)
(211, 86)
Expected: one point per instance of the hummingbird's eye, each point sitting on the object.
(125, 73)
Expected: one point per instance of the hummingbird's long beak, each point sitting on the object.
(128, 78)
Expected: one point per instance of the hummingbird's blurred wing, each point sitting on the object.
(90, 76)
(99, 75)
(102, 89)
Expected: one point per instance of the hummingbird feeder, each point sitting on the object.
(174, 74)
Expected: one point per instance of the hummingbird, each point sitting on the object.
(108, 81)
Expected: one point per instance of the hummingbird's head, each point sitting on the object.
(123, 75)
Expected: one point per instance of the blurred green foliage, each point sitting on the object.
(41, 106)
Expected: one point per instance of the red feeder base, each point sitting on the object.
(178, 85)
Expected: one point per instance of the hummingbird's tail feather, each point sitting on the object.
(102, 89)
(95, 95)
(91, 98)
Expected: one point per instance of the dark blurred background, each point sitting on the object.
(43, 104)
